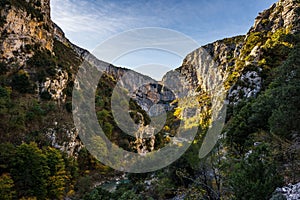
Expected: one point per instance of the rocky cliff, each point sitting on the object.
(29, 58)
(24, 24)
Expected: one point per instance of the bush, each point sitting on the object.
(6, 187)
(69, 107)
(44, 63)
(45, 95)
(256, 176)
(21, 83)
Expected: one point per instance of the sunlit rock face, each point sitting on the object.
(283, 15)
(220, 54)
(23, 28)
(279, 15)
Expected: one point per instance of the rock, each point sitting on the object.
(289, 192)
(21, 30)
(280, 15)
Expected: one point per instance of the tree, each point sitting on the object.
(255, 177)
(6, 187)
(108, 128)
(21, 82)
(30, 171)
(57, 180)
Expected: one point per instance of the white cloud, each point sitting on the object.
(81, 16)
(90, 22)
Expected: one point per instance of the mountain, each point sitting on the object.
(257, 152)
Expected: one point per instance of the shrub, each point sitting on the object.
(3, 67)
(21, 82)
(45, 95)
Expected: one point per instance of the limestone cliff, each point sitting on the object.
(268, 34)
(24, 24)
(29, 49)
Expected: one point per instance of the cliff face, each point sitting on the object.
(240, 59)
(222, 53)
(284, 13)
(24, 24)
(35, 73)
(265, 39)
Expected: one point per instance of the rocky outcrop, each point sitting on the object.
(290, 192)
(26, 29)
(143, 89)
(283, 14)
(55, 87)
(222, 53)
(25, 26)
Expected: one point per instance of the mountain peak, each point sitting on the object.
(283, 14)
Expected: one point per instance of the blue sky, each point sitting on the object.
(88, 23)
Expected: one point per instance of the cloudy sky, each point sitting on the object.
(89, 23)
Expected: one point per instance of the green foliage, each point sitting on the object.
(36, 173)
(275, 110)
(44, 63)
(239, 129)
(108, 128)
(3, 65)
(7, 152)
(30, 171)
(254, 39)
(56, 181)
(130, 195)
(85, 160)
(274, 49)
(66, 57)
(35, 111)
(276, 113)
(21, 82)
(255, 177)
(97, 194)
(84, 184)
(285, 119)
(4, 99)
(6, 187)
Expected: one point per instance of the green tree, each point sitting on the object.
(7, 153)
(98, 193)
(21, 82)
(57, 179)
(6, 187)
(255, 177)
(130, 195)
(30, 171)
(108, 128)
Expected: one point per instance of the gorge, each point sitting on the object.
(259, 143)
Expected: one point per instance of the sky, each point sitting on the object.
(90, 23)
